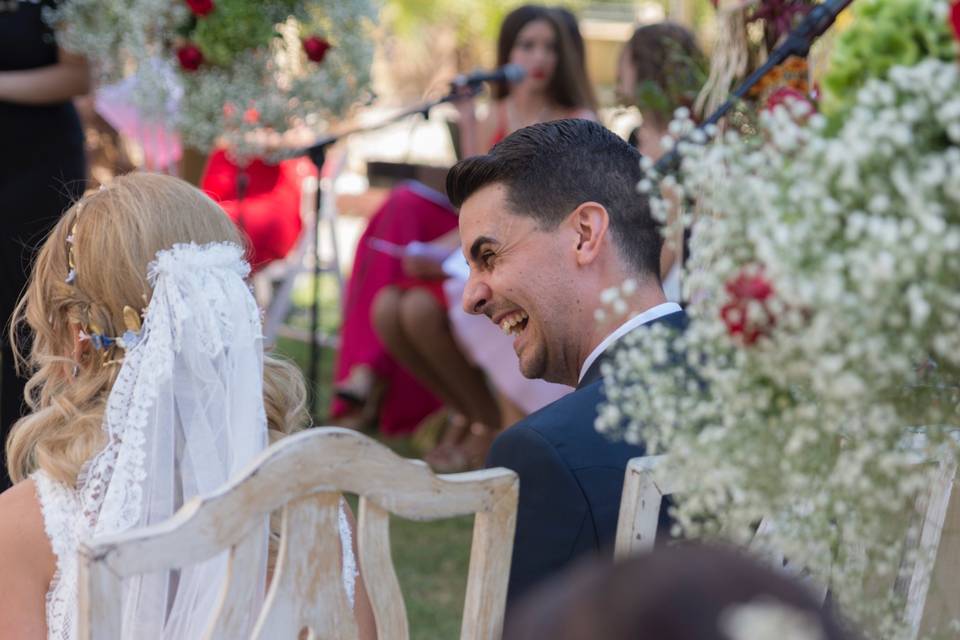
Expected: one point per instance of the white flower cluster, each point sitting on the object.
(766, 619)
(821, 368)
(262, 90)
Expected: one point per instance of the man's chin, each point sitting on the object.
(533, 370)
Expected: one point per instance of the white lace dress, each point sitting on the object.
(65, 528)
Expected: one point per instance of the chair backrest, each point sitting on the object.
(932, 587)
(643, 494)
(304, 476)
(929, 582)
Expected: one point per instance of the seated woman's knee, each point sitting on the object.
(421, 313)
(385, 312)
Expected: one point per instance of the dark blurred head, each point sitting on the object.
(678, 593)
(660, 69)
(548, 44)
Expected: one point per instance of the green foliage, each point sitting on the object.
(884, 33)
(472, 20)
(233, 27)
(475, 22)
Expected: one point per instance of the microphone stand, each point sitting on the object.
(798, 43)
(317, 153)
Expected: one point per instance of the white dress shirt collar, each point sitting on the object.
(651, 314)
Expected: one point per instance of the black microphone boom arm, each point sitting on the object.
(797, 43)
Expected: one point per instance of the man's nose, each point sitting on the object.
(475, 295)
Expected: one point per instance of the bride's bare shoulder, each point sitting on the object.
(28, 563)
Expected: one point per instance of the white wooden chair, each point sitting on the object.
(931, 583)
(304, 475)
(643, 494)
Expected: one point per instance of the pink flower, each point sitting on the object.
(190, 57)
(781, 95)
(316, 48)
(200, 7)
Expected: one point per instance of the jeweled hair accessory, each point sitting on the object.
(132, 319)
(71, 241)
(129, 338)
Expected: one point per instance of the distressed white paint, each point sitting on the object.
(304, 475)
(930, 583)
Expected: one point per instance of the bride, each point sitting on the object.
(149, 386)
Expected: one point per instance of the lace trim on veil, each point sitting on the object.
(190, 285)
(145, 367)
(109, 491)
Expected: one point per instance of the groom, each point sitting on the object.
(549, 219)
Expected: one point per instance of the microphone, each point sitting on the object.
(512, 73)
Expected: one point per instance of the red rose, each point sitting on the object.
(190, 57)
(750, 287)
(746, 290)
(955, 18)
(200, 7)
(316, 48)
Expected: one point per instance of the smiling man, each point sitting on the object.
(549, 219)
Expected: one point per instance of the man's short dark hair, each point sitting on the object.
(549, 169)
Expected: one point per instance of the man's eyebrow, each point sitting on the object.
(479, 242)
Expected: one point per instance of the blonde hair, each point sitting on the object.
(117, 232)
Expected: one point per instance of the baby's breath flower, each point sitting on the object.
(239, 91)
(857, 231)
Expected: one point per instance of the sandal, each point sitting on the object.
(365, 391)
(358, 387)
(467, 455)
(445, 456)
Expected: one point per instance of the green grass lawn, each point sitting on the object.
(430, 558)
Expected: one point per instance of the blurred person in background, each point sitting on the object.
(547, 43)
(660, 70)
(42, 163)
(683, 592)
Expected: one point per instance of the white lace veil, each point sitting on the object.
(185, 414)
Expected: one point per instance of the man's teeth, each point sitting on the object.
(511, 324)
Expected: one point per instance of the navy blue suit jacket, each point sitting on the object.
(571, 479)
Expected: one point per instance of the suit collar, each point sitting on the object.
(677, 320)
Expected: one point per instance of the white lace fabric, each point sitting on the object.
(61, 512)
(185, 415)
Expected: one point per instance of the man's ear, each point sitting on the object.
(589, 222)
